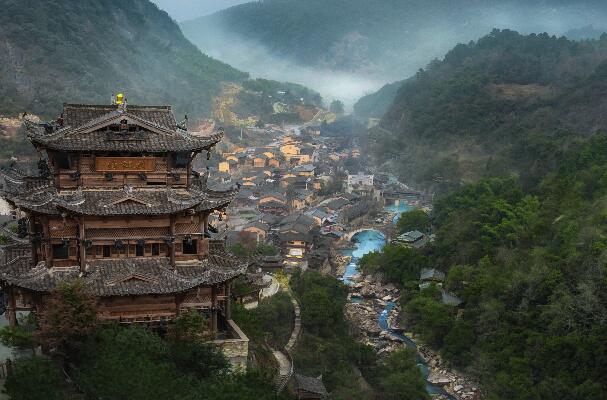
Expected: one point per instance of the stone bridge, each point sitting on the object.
(386, 230)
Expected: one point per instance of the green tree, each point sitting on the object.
(68, 317)
(21, 336)
(400, 264)
(401, 378)
(190, 326)
(413, 220)
(34, 378)
(336, 107)
(130, 362)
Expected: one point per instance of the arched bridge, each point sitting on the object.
(386, 230)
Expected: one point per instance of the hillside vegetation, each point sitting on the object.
(375, 105)
(84, 50)
(507, 103)
(530, 268)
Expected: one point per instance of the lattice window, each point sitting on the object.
(63, 232)
(161, 165)
(144, 232)
(192, 227)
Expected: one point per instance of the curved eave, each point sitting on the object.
(46, 208)
(124, 277)
(184, 142)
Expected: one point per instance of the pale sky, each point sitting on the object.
(182, 10)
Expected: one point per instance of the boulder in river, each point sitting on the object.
(438, 379)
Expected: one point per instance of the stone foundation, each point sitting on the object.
(236, 347)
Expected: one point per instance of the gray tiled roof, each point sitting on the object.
(41, 196)
(76, 115)
(79, 133)
(311, 385)
(126, 276)
(431, 274)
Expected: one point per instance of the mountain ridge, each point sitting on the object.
(83, 51)
(391, 38)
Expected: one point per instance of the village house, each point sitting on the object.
(320, 217)
(362, 185)
(297, 222)
(308, 388)
(270, 263)
(304, 170)
(290, 150)
(274, 161)
(298, 201)
(228, 166)
(429, 276)
(335, 203)
(295, 246)
(258, 228)
(273, 207)
(245, 198)
(272, 220)
(414, 239)
(273, 196)
(260, 160)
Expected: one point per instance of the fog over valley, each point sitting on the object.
(343, 51)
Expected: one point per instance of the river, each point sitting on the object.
(366, 242)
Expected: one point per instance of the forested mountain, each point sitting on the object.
(529, 266)
(390, 39)
(85, 50)
(506, 103)
(375, 105)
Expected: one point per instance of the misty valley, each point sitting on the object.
(303, 199)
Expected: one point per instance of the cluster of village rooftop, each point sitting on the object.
(281, 201)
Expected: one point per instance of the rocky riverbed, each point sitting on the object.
(369, 299)
(339, 263)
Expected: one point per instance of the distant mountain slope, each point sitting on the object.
(375, 105)
(84, 50)
(508, 103)
(386, 38)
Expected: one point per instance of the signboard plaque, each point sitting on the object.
(125, 164)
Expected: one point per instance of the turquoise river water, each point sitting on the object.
(367, 242)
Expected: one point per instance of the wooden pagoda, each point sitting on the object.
(117, 205)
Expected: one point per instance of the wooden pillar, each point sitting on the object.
(31, 234)
(48, 251)
(178, 301)
(172, 247)
(228, 309)
(202, 223)
(82, 247)
(214, 308)
(189, 169)
(11, 311)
